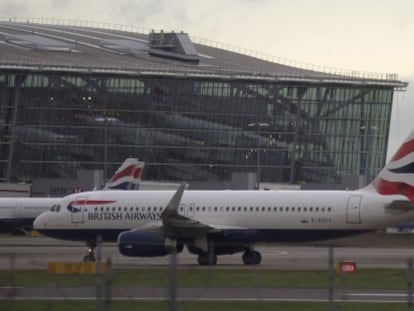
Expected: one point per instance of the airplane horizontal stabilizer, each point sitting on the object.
(400, 205)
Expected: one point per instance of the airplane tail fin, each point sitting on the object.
(397, 177)
(128, 175)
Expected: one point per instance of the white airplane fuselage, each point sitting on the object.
(276, 215)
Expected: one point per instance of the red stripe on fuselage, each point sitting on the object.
(90, 202)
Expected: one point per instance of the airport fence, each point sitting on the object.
(30, 274)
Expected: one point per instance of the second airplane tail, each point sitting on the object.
(128, 175)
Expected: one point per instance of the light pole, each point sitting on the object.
(258, 126)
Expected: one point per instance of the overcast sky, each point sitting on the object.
(362, 35)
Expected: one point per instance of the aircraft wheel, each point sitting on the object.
(252, 258)
(206, 259)
(258, 257)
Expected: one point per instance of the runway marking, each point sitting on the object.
(378, 294)
(314, 300)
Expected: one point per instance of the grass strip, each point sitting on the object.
(201, 278)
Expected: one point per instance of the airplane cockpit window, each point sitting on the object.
(52, 209)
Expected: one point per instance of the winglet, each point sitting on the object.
(172, 206)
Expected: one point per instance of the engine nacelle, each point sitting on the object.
(145, 244)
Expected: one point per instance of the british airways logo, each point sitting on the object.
(147, 216)
(75, 206)
(104, 214)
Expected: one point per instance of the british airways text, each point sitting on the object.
(124, 216)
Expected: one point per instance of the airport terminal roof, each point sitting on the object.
(74, 46)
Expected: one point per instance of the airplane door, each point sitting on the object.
(77, 209)
(353, 215)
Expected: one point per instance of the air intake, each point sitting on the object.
(173, 45)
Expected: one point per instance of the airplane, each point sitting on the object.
(212, 223)
(17, 214)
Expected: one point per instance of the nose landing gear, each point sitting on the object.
(90, 256)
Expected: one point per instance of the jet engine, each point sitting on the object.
(146, 244)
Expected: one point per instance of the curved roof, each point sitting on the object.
(45, 47)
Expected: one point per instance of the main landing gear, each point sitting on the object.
(90, 256)
(251, 257)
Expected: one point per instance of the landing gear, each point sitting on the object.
(251, 257)
(90, 256)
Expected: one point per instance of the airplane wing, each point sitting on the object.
(175, 225)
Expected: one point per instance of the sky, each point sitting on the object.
(369, 36)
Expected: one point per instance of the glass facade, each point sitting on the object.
(193, 129)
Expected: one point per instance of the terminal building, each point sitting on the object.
(84, 96)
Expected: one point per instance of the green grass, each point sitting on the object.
(201, 277)
(199, 306)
